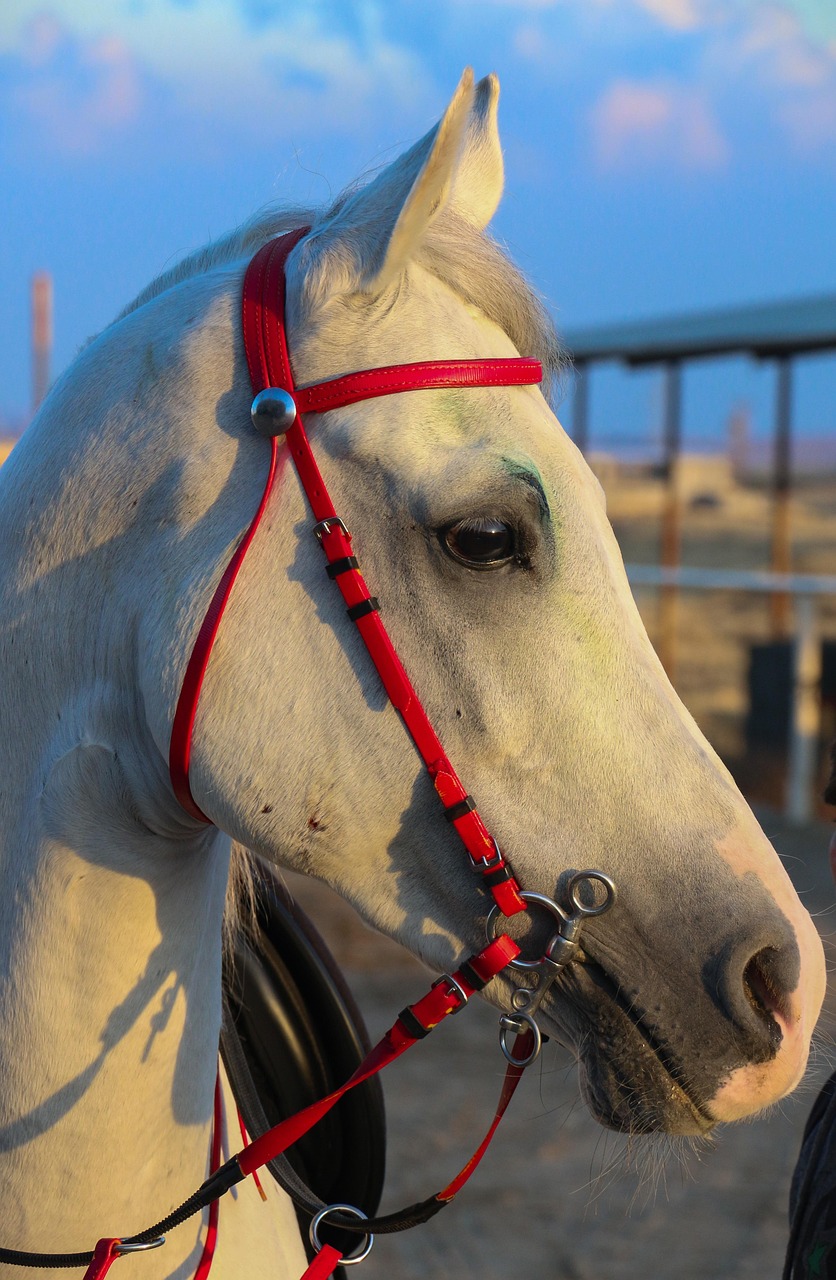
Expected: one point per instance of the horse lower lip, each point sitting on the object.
(676, 1084)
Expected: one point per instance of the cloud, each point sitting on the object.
(680, 15)
(785, 65)
(86, 70)
(641, 124)
(75, 94)
(775, 44)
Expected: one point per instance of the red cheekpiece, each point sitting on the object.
(268, 359)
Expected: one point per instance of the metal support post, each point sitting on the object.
(780, 607)
(671, 531)
(41, 336)
(580, 407)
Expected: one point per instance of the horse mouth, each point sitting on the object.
(630, 1078)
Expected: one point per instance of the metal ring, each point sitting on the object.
(540, 900)
(518, 1023)
(581, 878)
(138, 1246)
(313, 1232)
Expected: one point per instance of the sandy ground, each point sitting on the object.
(558, 1198)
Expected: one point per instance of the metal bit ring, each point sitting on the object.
(540, 900)
(138, 1246)
(581, 878)
(313, 1232)
(519, 1023)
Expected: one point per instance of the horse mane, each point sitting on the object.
(469, 261)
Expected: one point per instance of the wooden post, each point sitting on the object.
(580, 407)
(780, 561)
(671, 531)
(41, 336)
(806, 713)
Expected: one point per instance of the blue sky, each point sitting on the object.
(662, 155)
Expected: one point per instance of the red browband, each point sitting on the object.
(268, 359)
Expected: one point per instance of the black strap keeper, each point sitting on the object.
(498, 877)
(341, 566)
(414, 1028)
(365, 606)
(454, 811)
(471, 977)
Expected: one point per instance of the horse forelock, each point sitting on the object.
(466, 259)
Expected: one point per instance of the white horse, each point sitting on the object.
(484, 533)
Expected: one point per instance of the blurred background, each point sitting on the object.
(668, 161)
(671, 191)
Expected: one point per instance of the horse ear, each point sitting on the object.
(480, 177)
(371, 237)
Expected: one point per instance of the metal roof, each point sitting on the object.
(762, 329)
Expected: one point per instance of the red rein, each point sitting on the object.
(265, 343)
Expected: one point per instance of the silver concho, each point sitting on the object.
(273, 412)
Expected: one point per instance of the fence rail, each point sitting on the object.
(805, 714)
(688, 577)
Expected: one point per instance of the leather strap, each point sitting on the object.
(323, 1263)
(442, 999)
(268, 360)
(328, 1257)
(104, 1255)
(445, 997)
(205, 1264)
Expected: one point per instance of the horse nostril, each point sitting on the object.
(763, 992)
(754, 981)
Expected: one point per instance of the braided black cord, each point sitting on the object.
(19, 1258)
(212, 1189)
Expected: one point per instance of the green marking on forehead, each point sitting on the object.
(528, 474)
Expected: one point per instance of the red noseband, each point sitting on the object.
(265, 344)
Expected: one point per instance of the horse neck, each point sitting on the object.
(110, 908)
(109, 1014)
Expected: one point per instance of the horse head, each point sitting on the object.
(484, 534)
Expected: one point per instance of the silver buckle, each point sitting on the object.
(453, 988)
(325, 526)
(490, 861)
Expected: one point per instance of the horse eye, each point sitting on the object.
(481, 542)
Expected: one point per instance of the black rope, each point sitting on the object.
(19, 1258)
(214, 1187)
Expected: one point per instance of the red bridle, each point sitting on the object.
(277, 411)
(265, 344)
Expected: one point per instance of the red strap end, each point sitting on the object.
(104, 1256)
(323, 1264)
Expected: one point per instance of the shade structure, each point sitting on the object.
(786, 328)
